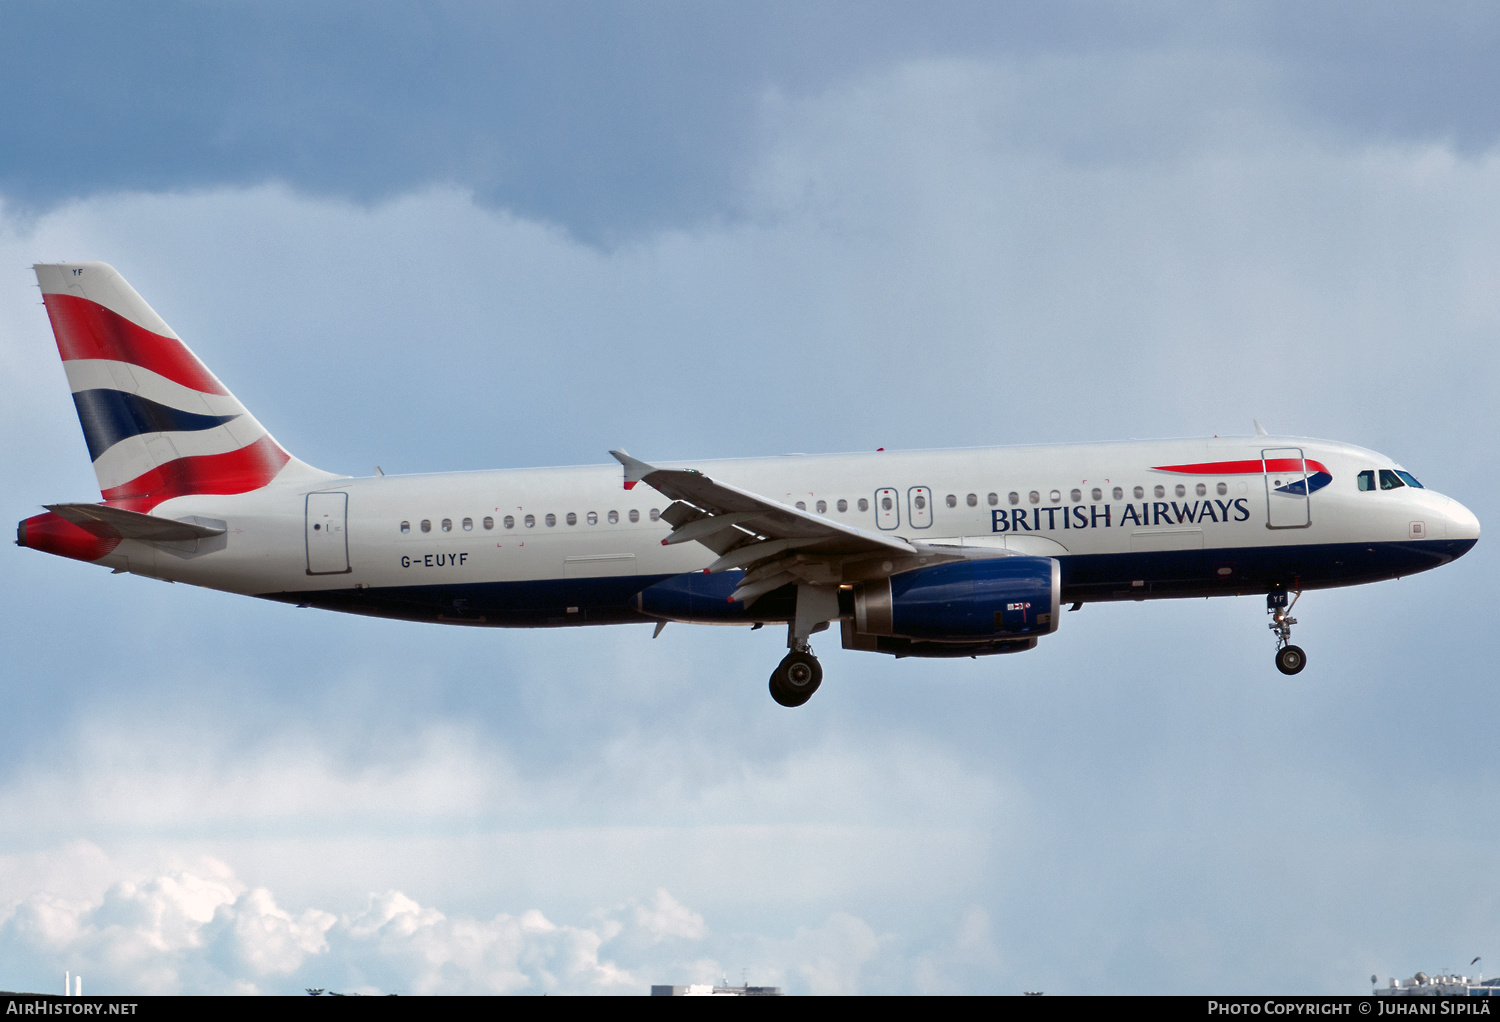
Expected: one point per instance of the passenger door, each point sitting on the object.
(1286, 488)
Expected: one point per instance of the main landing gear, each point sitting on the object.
(1289, 659)
(796, 678)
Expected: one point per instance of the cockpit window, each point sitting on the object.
(1367, 479)
(1410, 479)
(1389, 481)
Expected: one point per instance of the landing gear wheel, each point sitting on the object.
(1290, 659)
(795, 679)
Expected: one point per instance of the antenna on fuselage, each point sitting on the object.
(1259, 429)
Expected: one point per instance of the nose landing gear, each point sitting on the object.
(1289, 659)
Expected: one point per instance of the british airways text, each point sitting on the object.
(1096, 516)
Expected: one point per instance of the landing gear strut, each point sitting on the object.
(1289, 659)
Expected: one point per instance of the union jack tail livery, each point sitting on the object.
(157, 423)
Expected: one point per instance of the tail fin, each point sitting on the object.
(157, 423)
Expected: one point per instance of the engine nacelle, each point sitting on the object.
(992, 600)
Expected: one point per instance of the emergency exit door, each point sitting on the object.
(919, 507)
(327, 533)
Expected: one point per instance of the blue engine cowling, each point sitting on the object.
(995, 598)
(704, 599)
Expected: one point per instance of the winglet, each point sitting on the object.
(635, 470)
(1259, 429)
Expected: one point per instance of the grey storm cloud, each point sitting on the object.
(617, 118)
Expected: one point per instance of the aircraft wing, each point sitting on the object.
(774, 543)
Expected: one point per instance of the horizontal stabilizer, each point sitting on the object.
(116, 523)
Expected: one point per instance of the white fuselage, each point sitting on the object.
(578, 531)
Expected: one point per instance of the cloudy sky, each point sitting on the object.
(445, 236)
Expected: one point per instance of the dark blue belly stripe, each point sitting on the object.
(1091, 577)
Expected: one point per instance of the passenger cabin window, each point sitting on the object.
(1161, 491)
(593, 518)
(510, 522)
(993, 498)
(1054, 496)
(1076, 495)
(843, 504)
(1014, 498)
(489, 523)
(551, 519)
(1119, 493)
(1367, 479)
(614, 518)
(864, 505)
(531, 521)
(885, 504)
(822, 507)
(1221, 489)
(1140, 491)
(921, 502)
(972, 500)
(1181, 490)
(426, 525)
(1410, 479)
(635, 515)
(655, 514)
(572, 518)
(406, 526)
(801, 506)
(468, 525)
(951, 500)
(1097, 494)
(1201, 490)
(447, 525)
(1389, 480)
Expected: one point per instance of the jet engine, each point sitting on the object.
(963, 608)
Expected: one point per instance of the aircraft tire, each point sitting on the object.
(795, 679)
(1290, 659)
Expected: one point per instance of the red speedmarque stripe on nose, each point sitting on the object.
(248, 468)
(86, 329)
(1229, 468)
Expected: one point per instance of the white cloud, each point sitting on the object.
(664, 916)
(267, 940)
(426, 952)
(191, 932)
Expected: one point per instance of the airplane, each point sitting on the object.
(952, 553)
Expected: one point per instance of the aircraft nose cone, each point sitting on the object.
(1461, 522)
